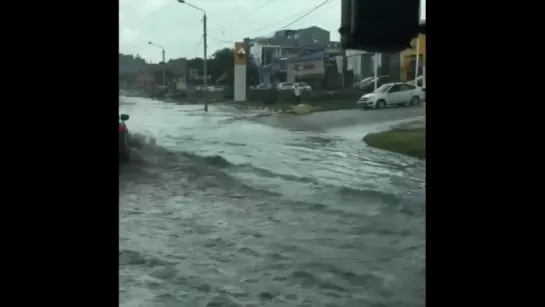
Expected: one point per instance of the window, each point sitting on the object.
(406, 87)
(395, 88)
(383, 88)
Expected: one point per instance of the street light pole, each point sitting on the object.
(375, 70)
(417, 64)
(164, 69)
(205, 68)
(204, 20)
(164, 63)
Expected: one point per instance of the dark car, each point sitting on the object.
(124, 152)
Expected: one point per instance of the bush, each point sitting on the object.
(330, 105)
(266, 96)
(273, 96)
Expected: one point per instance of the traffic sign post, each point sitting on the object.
(239, 89)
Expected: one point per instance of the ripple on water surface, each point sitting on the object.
(294, 219)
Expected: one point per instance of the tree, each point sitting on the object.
(220, 67)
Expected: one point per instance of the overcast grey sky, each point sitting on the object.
(178, 28)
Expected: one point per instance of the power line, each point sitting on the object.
(249, 13)
(284, 19)
(335, 4)
(304, 13)
(219, 39)
(303, 16)
(257, 9)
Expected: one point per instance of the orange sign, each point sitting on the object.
(240, 54)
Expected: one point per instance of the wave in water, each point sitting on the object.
(150, 159)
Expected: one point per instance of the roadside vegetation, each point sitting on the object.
(320, 100)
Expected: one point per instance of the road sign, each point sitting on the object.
(240, 54)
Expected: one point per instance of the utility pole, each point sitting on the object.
(416, 69)
(424, 76)
(204, 57)
(344, 68)
(248, 62)
(375, 70)
(164, 63)
(204, 19)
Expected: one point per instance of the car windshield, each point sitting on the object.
(383, 88)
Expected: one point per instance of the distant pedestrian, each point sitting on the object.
(205, 107)
(297, 92)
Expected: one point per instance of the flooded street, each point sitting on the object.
(240, 208)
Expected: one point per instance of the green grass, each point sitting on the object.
(410, 142)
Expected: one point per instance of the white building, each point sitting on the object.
(362, 64)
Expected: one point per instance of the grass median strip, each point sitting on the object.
(410, 142)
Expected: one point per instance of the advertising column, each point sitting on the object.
(239, 86)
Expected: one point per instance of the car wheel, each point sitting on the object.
(414, 101)
(381, 104)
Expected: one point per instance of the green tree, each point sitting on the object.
(220, 67)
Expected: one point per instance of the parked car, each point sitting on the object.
(288, 86)
(304, 86)
(210, 88)
(261, 86)
(285, 86)
(124, 152)
(216, 88)
(392, 94)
